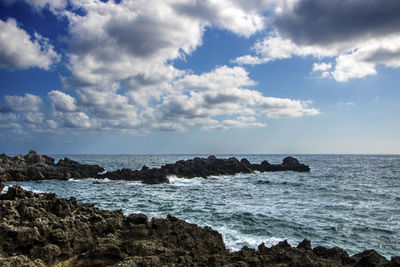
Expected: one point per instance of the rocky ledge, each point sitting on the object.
(44, 230)
(41, 167)
(202, 167)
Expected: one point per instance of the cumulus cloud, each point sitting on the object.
(240, 122)
(212, 94)
(19, 50)
(33, 117)
(249, 60)
(122, 77)
(226, 14)
(14, 103)
(38, 5)
(75, 120)
(62, 102)
(219, 78)
(321, 66)
(359, 35)
(314, 22)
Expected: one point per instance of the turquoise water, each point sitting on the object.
(350, 201)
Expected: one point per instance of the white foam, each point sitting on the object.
(218, 177)
(104, 180)
(235, 240)
(173, 179)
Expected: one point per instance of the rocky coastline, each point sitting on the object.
(40, 167)
(45, 230)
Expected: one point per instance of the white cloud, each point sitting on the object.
(122, 77)
(347, 67)
(249, 60)
(353, 60)
(13, 103)
(62, 102)
(219, 78)
(18, 50)
(225, 14)
(240, 122)
(213, 94)
(33, 117)
(321, 67)
(74, 120)
(359, 35)
(8, 117)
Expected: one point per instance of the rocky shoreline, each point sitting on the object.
(40, 167)
(44, 230)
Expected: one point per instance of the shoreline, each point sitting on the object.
(45, 230)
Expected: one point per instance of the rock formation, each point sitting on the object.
(44, 230)
(37, 167)
(202, 167)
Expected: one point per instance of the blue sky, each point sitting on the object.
(188, 76)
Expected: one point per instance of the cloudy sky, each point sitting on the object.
(200, 76)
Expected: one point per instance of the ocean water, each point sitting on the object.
(350, 201)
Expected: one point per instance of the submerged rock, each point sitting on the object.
(44, 230)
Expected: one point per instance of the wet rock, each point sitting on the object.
(202, 167)
(34, 232)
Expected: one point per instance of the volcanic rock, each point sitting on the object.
(44, 230)
(40, 167)
(202, 167)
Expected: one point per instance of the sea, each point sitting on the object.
(349, 201)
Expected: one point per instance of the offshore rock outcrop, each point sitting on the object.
(41, 167)
(44, 230)
(202, 167)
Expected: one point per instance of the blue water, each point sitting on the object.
(350, 201)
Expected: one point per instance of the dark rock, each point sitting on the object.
(37, 167)
(137, 218)
(370, 258)
(36, 231)
(1, 187)
(305, 244)
(202, 167)
(333, 253)
(395, 261)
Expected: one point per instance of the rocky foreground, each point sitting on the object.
(37, 167)
(44, 230)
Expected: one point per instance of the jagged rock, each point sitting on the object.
(44, 230)
(202, 167)
(370, 258)
(40, 167)
(37, 167)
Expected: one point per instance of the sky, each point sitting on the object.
(200, 76)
